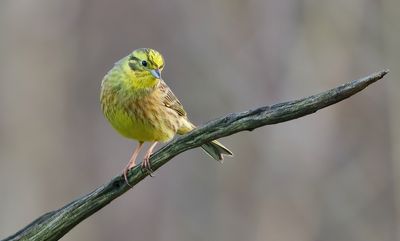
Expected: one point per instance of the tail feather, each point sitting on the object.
(216, 150)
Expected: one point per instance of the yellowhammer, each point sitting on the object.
(140, 105)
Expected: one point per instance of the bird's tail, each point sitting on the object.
(216, 150)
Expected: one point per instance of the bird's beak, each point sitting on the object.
(156, 73)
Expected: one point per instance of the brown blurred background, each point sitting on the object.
(332, 176)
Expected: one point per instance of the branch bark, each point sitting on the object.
(55, 224)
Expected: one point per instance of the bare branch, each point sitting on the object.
(55, 224)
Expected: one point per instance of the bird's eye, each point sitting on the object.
(144, 63)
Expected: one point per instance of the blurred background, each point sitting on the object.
(333, 175)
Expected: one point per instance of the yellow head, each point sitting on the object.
(145, 65)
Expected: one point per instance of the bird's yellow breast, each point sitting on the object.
(142, 119)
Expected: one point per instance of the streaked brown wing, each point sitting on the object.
(170, 99)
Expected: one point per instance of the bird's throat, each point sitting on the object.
(144, 84)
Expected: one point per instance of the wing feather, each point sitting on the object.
(170, 100)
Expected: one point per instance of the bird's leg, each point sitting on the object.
(146, 160)
(132, 161)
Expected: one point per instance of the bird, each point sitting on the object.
(139, 105)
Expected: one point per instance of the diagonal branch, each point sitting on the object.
(55, 224)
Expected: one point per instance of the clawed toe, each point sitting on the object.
(146, 161)
(126, 170)
(147, 166)
(126, 176)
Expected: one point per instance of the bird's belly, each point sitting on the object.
(155, 126)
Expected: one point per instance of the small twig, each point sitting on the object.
(55, 224)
